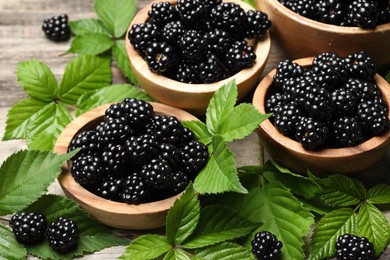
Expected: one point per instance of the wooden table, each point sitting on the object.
(21, 38)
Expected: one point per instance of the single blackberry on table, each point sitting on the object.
(330, 11)
(114, 130)
(160, 57)
(240, 55)
(373, 118)
(157, 174)
(88, 141)
(361, 89)
(193, 46)
(187, 73)
(347, 131)
(351, 247)
(134, 190)
(218, 41)
(29, 228)
(344, 102)
(180, 181)
(285, 70)
(167, 129)
(141, 35)
(229, 17)
(87, 170)
(310, 133)
(318, 104)
(141, 149)
(139, 113)
(287, 117)
(172, 32)
(265, 245)
(63, 235)
(212, 69)
(162, 13)
(359, 65)
(110, 188)
(301, 7)
(274, 103)
(364, 13)
(194, 157)
(257, 24)
(57, 28)
(193, 13)
(170, 154)
(114, 159)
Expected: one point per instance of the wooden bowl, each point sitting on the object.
(292, 155)
(303, 37)
(115, 214)
(193, 97)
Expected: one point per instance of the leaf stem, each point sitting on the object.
(4, 219)
(261, 154)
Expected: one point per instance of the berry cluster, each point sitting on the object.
(197, 41)
(135, 156)
(57, 28)
(366, 14)
(334, 103)
(350, 247)
(30, 229)
(265, 245)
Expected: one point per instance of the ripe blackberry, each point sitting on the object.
(240, 55)
(134, 190)
(194, 157)
(212, 69)
(351, 247)
(180, 181)
(318, 105)
(327, 70)
(87, 170)
(141, 149)
(346, 131)
(88, 141)
(361, 89)
(373, 118)
(139, 113)
(57, 28)
(187, 136)
(344, 102)
(160, 57)
(114, 159)
(29, 228)
(192, 46)
(63, 235)
(359, 65)
(301, 7)
(110, 188)
(187, 73)
(274, 103)
(285, 70)
(114, 130)
(310, 133)
(287, 118)
(167, 129)
(162, 13)
(257, 24)
(172, 32)
(141, 35)
(170, 154)
(218, 41)
(330, 11)
(193, 12)
(298, 87)
(265, 245)
(364, 13)
(229, 17)
(384, 12)
(157, 174)
(114, 111)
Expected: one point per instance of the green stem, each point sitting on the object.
(4, 219)
(261, 154)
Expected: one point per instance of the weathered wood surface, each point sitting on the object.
(21, 38)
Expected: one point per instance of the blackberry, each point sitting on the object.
(274, 103)
(114, 130)
(56, 28)
(29, 228)
(157, 174)
(114, 111)
(63, 235)
(257, 24)
(167, 129)
(298, 87)
(301, 7)
(285, 70)
(110, 188)
(141, 149)
(192, 46)
(134, 190)
(359, 65)
(229, 17)
(88, 141)
(373, 118)
(364, 13)
(193, 12)
(351, 247)
(139, 113)
(327, 70)
(384, 12)
(318, 105)
(346, 131)
(141, 35)
(218, 41)
(240, 55)
(311, 134)
(160, 57)
(187, 73)
(330, 11)
(114, 159)
(361, 89)
(344, 102)
(265, 245)
(212, 69)
(287, 117)
(180, 181)
(194, 157)
(87, 170)
(172, 32)
(170, 154)
(188, 135)
(162, 13)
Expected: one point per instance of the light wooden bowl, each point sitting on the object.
(325, 161)
(115, 214)
(303, 37)
(193, 97)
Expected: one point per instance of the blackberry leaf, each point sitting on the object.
(379, 194)
(9, 247)
(224, 251)
(80, 27)
(200, 130)
(147, 247)
(120, 55)
(177, 254)
(388, 76)
(90, 44)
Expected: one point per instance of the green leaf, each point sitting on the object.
(218, 224)
(27, 172)
(388, 76)
(37, 80)
(84, 73)
(374, 226)
(46, 125)
(94, 236)
(224, 251)
(90, 44)
(200, 130)
(379, 194)
(240, 122)
(221, 103)
(10, 248)
(122, 60)
(110, 94)
(250, 2)
(250, 169)
(316, 205)
(18, 117)
(329, 228)
(80, 27)
(115, 14)
(176, 254)
(146, 247)
(220, 174)
(183, 217)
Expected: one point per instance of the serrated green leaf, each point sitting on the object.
(225, 251)
(18, 117)
(113, 93)
(122, 60)
(379, 194)
(83, 26)
(27, 172)
(46, 125)
(90, 44)
(247, 120)
(218, 224)
(249, 169)
(177, 254)
(94, 236)
(10, 249)
(316, 205)
(221, 103)
(37, 80)
(183, 217)
(146, 247)
(220, 174)
(329, 228)
(200, 130)
(115, 14)
(250, 2)
(82, 74)
(374, 226)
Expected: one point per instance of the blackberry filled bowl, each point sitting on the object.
(148, 215)
(326, 160)
(194, 97)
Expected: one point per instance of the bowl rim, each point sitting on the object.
(323, 26)
(83, 196)
(268, 128)
(262, 50)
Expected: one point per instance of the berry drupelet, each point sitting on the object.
(265, 245)
(63, 235)
(29, 228)
(351, 247)
(57, 28)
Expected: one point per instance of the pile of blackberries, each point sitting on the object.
(198, 41)
(135, 156)
(333, 103)
(366, 14)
